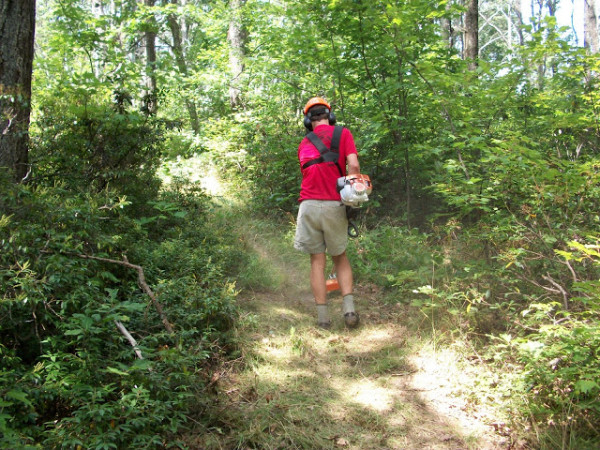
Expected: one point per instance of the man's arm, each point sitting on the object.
(352, 164)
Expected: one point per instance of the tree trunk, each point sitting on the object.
(407, 180)
(177, 47)
(552, 6)
(471, 42)
(537, 12)
(516, 6)
(447, 28)
(590, 27)
(150, 100)
(17, 31)
(235, 36)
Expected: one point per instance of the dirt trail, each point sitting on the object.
(376, 387)
(303, 387)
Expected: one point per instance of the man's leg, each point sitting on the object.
(343, 272)
(317, 284)
(344, 276)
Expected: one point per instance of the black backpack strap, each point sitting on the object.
(336, 138)
(327, 154)
(314, 139)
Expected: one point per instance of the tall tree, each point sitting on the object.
(150, 101)
(552, 7)
(17, 31)
(179, 52)
(517, 7)
(447, 27)
(471, 40)
(235, 36)
(590, 26)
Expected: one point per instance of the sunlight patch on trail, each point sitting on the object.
(445, 386)
(367, 393)
(372, 338)
(287, 313)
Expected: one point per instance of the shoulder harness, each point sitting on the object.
(331, 154)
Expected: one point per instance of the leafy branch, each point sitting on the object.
(142, 283)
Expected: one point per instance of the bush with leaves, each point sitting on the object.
(68, 376)
(393, 257)
(560, 352)
(95, 147)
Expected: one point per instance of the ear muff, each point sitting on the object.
(331, 117)
(307, 123)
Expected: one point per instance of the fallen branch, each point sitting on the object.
(130, 338)
(142, 283)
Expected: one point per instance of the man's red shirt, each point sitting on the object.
(319, 180)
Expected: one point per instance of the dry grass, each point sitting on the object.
(377, 387)
(382, 386)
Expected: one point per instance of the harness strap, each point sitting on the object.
(317, 142)
(327, 154)
(336, 138)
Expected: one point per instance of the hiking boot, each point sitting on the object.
(351, 319)
(324, 325)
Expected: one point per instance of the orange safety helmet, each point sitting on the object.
(316, 101)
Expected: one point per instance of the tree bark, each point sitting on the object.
(552, 6)
(129, 338)
(17, 32)
(447, 28)
(590, 26)
(177, 48)
(471, 41)
(235, 36)
(150, 100)
(516, 6)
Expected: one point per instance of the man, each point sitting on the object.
(322, 224)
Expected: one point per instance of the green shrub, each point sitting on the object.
(393, 257)
(68, 377)
(94, 147)
(561, 357)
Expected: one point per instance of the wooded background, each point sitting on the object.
(478, 123)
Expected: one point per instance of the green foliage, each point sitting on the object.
(498, 169)
(560, 357)
(260, 157)
(68, 377)
(274, 167)
(393, 257)
(96, 147)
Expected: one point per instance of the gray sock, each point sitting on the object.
(322, 313)
(348, 305)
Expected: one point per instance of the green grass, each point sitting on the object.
(384, 385)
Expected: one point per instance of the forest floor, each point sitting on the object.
(384, 385)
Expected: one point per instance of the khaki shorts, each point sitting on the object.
(321, 227)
